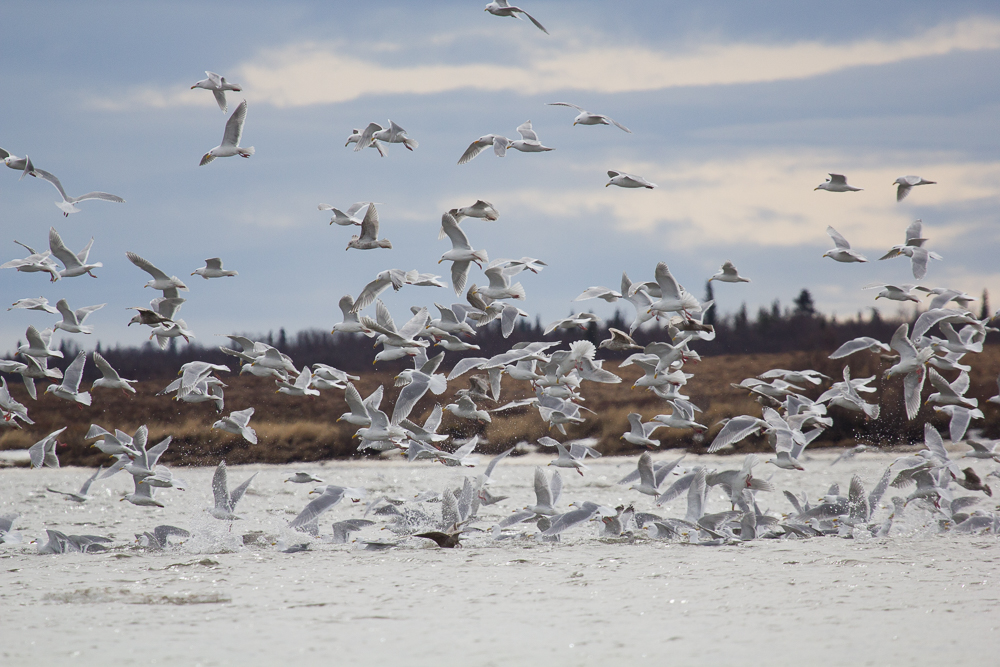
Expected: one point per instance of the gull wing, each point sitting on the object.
(369, 226)
(365, 140)
(330, 497)
(566, 104)
(107, 371)
(220, 488)
(459, 240)
(668, 284)
(238, 492)
(839, 240)
(617, 124)
(234, 126)
(526, 131)
(61, 252)
(840, 179)
(543, 492)
(74, 373)
(146, 266)
(475, 148)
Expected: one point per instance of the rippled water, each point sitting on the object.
(916, 597)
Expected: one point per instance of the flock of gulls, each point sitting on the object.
(796, 406)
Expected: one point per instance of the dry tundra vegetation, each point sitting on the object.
(306, 428)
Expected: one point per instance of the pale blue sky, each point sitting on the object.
(738, 112)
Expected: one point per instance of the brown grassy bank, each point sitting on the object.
(305, 429)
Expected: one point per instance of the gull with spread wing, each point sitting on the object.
(230, 145)
(218, 85)
(587, 118)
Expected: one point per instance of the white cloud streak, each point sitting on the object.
(329, 73)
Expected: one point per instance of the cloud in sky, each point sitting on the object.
(767, 199)
(314, 73)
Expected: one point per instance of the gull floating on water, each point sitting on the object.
(836, 183)
(230, 145)
(218, 85)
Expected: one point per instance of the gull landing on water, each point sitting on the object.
(230, 145)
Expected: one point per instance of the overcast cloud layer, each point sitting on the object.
(737, 114)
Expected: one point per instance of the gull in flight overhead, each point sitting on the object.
(374, 133)
(39, 344)
(160, 281)
(36, 262)
(843, 252)
(21, 164)
(238, 423)
(72, 321)
(75, 264)
(67, 203)
(357, 134)
(481, 209)
(43, 452)
(461, 254)
(529, 142)
(355, 214)
(368, 239)
(907, 183)
(213, 269)
(230, 145)
(109, 376)
(39, 303)
(836, 183)
(587, 118)
(623, 180)
(499, 143)
(218, 85)
(394, 134)
(914, 249)
(729, 274)
(69, 390)
(501, 8)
